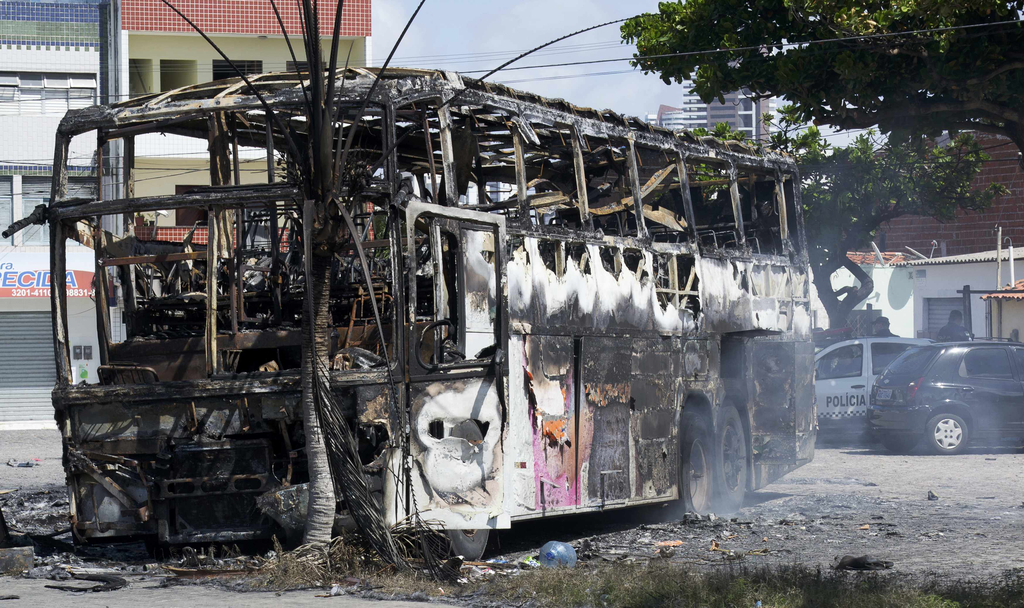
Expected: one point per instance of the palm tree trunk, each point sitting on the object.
(322, 499)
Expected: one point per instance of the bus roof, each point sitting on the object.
(399, 86)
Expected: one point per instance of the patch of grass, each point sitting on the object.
(654, 585)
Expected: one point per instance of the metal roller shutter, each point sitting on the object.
(39, 187)
(27, 370)
(937, 313)
(35, 187)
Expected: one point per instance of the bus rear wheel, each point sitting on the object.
(695, 463)
(731, 458)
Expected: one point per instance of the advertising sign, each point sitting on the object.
(27, 274)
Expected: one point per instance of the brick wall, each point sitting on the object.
(970, 232)
(240, 17)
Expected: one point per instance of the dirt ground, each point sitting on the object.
(852, 500)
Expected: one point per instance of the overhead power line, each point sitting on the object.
(782, 45)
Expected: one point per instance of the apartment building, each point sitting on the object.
(739, 110)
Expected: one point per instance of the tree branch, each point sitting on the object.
(1006, 67)
(857, 119)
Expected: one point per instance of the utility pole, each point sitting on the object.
(1009, 259)
(999, 256)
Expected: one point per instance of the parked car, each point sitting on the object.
(948, 395)
(845, 373)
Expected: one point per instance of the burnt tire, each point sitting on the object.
(470, 544)
(731, 452)
(946, 434)
(696, 472)
(899, 444)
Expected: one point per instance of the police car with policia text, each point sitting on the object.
(844, 374)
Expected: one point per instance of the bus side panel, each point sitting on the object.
(456, 446)
(806, 408)
(654, 386)
(782, 417)
(605, 421)
(550, 367)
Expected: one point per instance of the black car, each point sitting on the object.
(949, 394)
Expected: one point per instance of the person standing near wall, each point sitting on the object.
(954, 330)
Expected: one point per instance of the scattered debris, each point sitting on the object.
(671, 543)
(23, 464)
(287, 506)
(15, 560)
(530, 561)
(864, 527)
(864, 562)
(932, 495)
(10, 597)
(206, 572)
(105, 582)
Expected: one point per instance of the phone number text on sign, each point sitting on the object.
(44, 292)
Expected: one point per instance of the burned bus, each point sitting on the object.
(578, 311)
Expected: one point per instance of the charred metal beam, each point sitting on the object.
(214, 197)
(59, 302)
(102, 285)
(152, 259)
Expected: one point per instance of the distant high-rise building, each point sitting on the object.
(740, 111)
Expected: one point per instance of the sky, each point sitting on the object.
(465, 35)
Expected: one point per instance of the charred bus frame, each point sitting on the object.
(582, 312)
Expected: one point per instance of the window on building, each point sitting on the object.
(36, 234)
(301, 66)
(222, 69)
(176, 73)
(45, 93)
(140, 77)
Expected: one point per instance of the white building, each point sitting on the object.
(937, 281)
(739, 110)
(50, 62)
(892, 296)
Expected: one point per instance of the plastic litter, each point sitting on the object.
(529, 562)
(23, 464)
(554, 554)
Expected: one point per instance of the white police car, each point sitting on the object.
(844, 374)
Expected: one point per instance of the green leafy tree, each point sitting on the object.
(848, 192)
(857, 65)
(961, 78)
